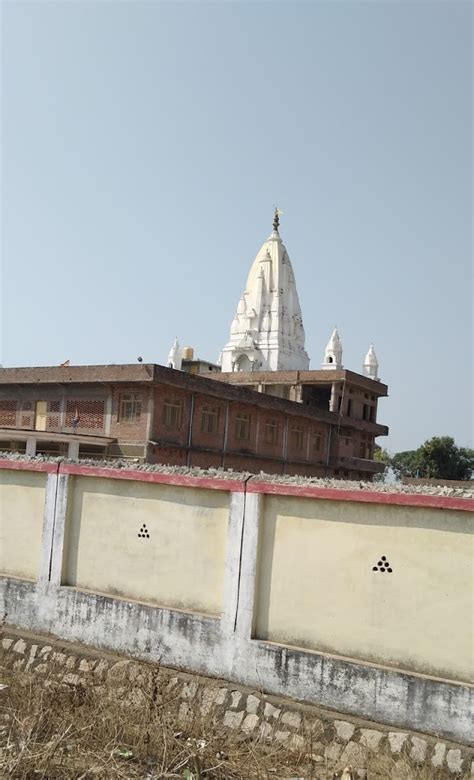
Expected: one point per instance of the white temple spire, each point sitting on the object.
(371, 364)
(333, 352)
(174, 356)
(267, 331)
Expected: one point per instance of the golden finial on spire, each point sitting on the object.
(276, 218)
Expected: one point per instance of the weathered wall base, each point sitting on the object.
(334, 741)
(194, 642)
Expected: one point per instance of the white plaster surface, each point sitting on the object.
(317, 588)
(156, 543)
(22, 498)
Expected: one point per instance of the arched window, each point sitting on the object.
(330, 360)
(243, 364)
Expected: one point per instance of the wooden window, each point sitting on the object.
(130, 407)
(41, 411)
(172, 414)
(366, 447)
(271, 431)
(317, 441)
(210, 419)
(297, 435)
(242, 426)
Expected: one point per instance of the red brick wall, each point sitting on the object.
(306, 470)
(205, 460)
(160, 431)
(8, 409)
(241, 463)
(60, 411)
(90, 412)
(171, 456)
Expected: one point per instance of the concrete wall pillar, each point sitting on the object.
(54, 521)
(241, 564)
(108, 412)
(248, 565)
(30, 446)
(233, 561)
(48, 529)
(59, 529)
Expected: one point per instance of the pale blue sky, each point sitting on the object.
(145, 143)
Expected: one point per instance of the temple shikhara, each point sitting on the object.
(267, 331)
(258, 408)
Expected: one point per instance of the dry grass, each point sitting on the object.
(51, 730)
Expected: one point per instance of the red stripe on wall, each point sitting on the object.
(364, 496)
(252, 485)
(21, 465)
(210, 483)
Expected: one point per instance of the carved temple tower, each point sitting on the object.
(267, 331)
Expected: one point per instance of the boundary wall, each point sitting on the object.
(271, 585)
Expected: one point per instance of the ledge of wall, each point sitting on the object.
(247, 483)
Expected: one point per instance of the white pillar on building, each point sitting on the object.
(30, 450)
(73, 450)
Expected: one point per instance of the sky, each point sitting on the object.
(144, 146)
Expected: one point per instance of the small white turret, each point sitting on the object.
(371, 365)
(174, 356)
(333, 352)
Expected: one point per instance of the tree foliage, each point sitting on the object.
(437, 458)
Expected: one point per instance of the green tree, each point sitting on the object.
(382, 456)
(437, 458)
(406, 464)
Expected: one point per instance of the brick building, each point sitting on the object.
(160, 415)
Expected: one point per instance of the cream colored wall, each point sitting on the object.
(316, 587)
(182, 563)
(22, 495)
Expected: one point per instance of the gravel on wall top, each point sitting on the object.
(221, 473)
